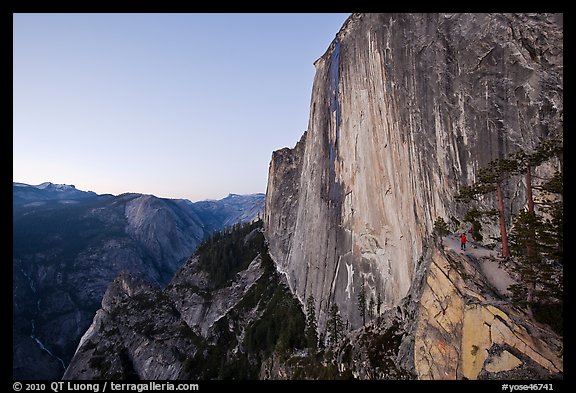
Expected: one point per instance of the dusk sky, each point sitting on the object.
(176, 105)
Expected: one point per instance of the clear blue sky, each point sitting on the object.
(175, 105)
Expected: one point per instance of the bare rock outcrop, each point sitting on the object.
(465, 329)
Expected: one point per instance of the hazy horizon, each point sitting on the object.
(176, 105)
(127, 192)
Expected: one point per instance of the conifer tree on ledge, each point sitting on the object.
(490, 179)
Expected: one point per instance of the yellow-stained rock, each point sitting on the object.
(458, 325)
(523, 342)
(497, 311)
(502, 362)
(475, 341)
(436, 356)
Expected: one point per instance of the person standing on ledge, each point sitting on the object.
(463, 241)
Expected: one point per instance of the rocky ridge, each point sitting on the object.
(70, 244)
(201, 326)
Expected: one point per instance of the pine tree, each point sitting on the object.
(335, 325)
(379, 303)
(321, 341)
(475, 217)
(371, 306)
(526, 231)
(534, 238)
(555, 209)
(311, 326)
(490, 179)
(362, 304)
(441, 229)
(531, 241)
(526, 161)
(547, 149)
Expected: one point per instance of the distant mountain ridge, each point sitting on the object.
(69, 244)
(23, 193)
(232, 209)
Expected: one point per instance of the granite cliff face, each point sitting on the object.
(405, 109)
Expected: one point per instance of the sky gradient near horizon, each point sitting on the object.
(176, 105)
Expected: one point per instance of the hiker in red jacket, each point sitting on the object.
(463, 241)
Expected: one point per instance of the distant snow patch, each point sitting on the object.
(34, 204)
